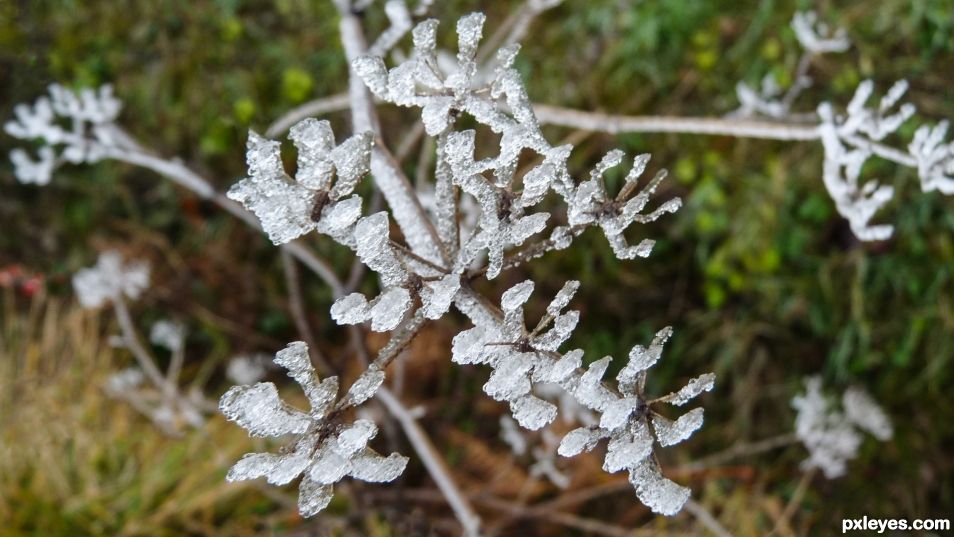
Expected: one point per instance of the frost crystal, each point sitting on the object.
(290, 208)
(443, 91)
(517, 354)
(110, 279)
(325, 451)
(832, 437)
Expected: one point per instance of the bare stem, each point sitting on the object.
(706, 519)
(296, 305)
(333, 103)
(433, 462)
(740, 450)
(614, 124)
(134, 343)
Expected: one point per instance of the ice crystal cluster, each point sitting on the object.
(832, 436)
(522, 357)
(324, 449)
(110, 279)
(89, 115)
(852, 136)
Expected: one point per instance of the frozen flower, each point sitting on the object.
(325, 449)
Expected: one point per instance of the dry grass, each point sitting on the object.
(73, 462)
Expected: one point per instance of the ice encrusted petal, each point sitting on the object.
(579, 440)
(437, 296)
(628, 447)
(617, 412)
(389, 309)
(532, 412)
(369, 466)
(655, 491)
(355, 437)
(670, 433)
(693, 389)
(365, 386)
(296, 359)
(351, 309)
(563, 298)
(313, 497)
(259, 410)
(516, 296)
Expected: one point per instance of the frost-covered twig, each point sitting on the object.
(848, 138)
(324, 105)
(388, 176)
(110, 282)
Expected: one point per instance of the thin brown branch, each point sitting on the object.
(296, 306)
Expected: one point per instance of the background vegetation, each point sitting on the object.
(761, 279)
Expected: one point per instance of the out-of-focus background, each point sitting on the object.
(761, 279)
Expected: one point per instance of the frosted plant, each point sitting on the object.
(591, 204)
(521, 357)
(847, 140)
(110, 279)
(831, 436)
(151, 392)
(324, 451)
(852, 137)
(521, 202)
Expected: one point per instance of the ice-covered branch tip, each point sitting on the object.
(815, 36)
(524, 358)
(832, 437)
(501, 103)
(110, 279)
(317, 199)
(325, 449)
(77, 121)
(850, 138)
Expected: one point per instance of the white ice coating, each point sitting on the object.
(322, 456)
